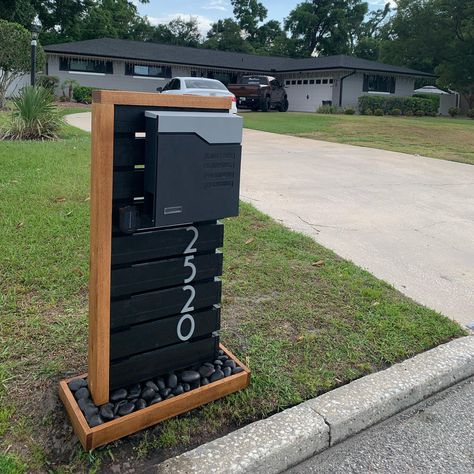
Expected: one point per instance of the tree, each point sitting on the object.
(369, 36)
(179, 31)
(435, 36)
(249, 14)
(15, 59)
(226, 35)
(17, 11)
(325, 27)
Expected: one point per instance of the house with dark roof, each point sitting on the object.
(310, 82)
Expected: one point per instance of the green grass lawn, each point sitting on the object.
(302, 318)
(436, 137)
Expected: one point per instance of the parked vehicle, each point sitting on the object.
(260, 93)
(198, 86)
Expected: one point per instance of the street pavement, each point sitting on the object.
(407, 219)
(435, 436)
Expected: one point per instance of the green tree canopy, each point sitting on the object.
(435, 36)
(226, 35)
(326, 27)
(179, 31)
(15, 58)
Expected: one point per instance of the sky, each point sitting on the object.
(208, 11)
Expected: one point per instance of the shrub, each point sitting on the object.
(433, 97)
(48, 82)
(405, 104)
(368, 112)
(409, 113)
(395, 112)
(349, 111)
(329, 109)
(378, 112)
(34, 116)
(420, 113)
(82, 94)
(470, 113)
(454, 111)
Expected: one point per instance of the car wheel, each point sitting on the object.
(266, 105)
(284, 106)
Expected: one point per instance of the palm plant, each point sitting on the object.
(34, 116)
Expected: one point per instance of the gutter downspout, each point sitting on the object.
(341, 84)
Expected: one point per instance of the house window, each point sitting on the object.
(331, 81)
(147, 71)
(377, 83)
(299, 81)
(325, 81)
(311, 81)
(86, 65)
(287, 83)
(305, 81)
(318, 81)
(293, 82)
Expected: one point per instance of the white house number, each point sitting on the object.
(188, 307)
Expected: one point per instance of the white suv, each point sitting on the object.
(199, 86)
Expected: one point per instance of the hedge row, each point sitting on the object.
(406, 105)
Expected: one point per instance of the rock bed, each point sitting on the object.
(124, 401)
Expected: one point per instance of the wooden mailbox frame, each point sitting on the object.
(102, 157)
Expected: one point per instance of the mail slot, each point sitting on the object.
(192, 166)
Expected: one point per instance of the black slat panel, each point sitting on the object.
(163, 332)
(128, 150)
(165, 243)
(131, 118)
(162, 303)
(151, 364)
(149, 276)
(128, 184)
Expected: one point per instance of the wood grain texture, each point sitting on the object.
(79, 423)
(161, 100)
(100, 250)
(92, 438)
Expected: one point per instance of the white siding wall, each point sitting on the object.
(17, 84)
(353, 85)
(118, 80)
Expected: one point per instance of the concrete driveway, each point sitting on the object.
(407, 219)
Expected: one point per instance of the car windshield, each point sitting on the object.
(203, 84)
(254, 80)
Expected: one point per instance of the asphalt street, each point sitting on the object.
(435, 436)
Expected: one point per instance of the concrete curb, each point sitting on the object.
(288, 438)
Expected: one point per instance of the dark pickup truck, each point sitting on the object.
(260, 93)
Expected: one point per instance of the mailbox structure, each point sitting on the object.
(164, 170)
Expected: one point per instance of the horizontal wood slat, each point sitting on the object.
(128, 184)
(163, 243)
(128, 150)
(163, 332)
(162, 303)
(162, 273)
(151, 364)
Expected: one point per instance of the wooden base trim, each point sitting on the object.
(91, 438)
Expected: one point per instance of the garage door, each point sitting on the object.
(306, 95)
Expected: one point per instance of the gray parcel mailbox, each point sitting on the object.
(192, 166)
